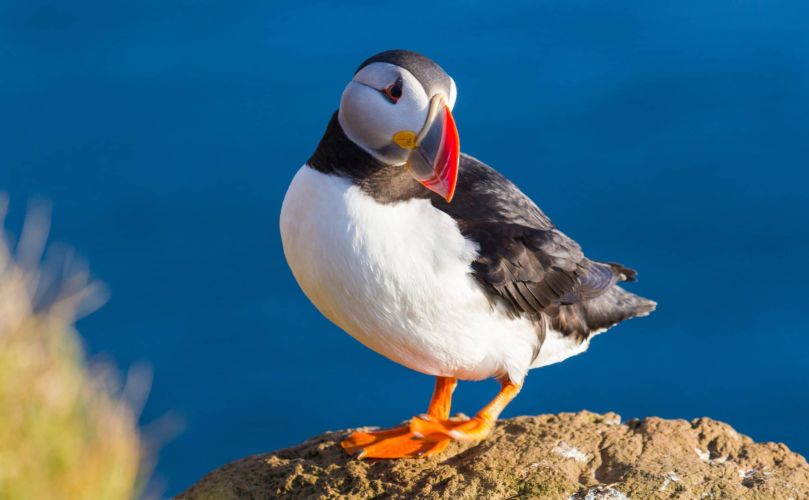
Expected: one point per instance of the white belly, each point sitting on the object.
(396, 277)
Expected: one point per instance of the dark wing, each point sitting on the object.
(526, 263)
(536, 270)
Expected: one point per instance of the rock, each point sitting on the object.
(570, 456)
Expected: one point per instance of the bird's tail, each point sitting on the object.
(624, 273)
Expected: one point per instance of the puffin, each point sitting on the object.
(434, 259)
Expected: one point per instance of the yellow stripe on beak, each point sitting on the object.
(406, 139)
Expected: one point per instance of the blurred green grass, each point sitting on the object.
(64, 433)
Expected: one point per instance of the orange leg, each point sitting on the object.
(431, 433)
(482, 424)
(442, 397)
(471, 430)
(400, 442)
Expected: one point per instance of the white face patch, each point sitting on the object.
(453, 94)
(370, 119)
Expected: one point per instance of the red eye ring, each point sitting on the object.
(394, 91)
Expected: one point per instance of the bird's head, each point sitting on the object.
(398, 108)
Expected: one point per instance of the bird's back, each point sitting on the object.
(527, 264)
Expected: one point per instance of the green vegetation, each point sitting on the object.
(63, 432)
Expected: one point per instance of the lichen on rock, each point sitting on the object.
(570, 456)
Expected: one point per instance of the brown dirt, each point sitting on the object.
(577, 456)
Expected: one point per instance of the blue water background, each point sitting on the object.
(670, 136)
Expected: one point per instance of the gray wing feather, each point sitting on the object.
(526, 263)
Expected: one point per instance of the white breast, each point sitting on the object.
(396, 277)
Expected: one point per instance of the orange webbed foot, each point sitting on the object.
(398, 442)
(464, 430)
(429, 434)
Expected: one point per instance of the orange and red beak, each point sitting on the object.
(435, 151)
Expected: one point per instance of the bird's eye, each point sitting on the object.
(394, 91)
